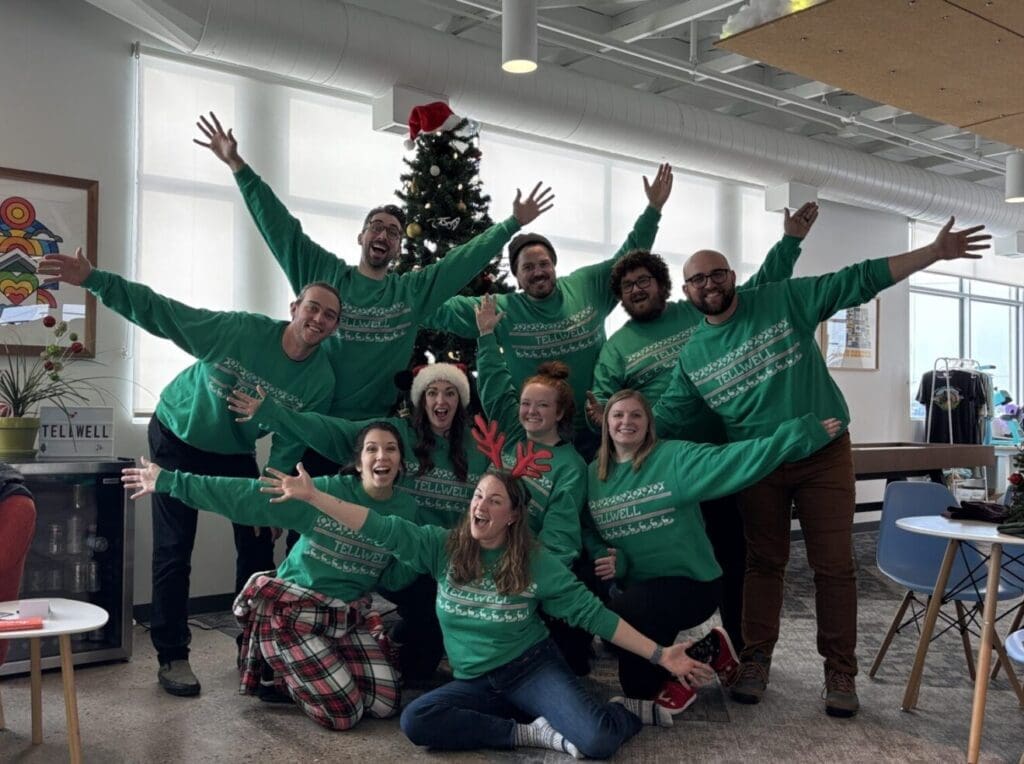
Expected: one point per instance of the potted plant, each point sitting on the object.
(27, 381)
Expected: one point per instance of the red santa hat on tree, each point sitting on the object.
(430, 118)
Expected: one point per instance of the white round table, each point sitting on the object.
(957, 532)
(66, 617)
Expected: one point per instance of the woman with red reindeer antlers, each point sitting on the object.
(492, 577)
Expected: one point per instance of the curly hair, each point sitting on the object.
(641, 258)
(555, 374)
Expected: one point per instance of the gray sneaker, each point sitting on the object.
(840, 694)
(751, 678)
(176, 678)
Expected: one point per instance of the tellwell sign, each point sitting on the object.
(83, 432)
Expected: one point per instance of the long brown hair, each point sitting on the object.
(607, 449)
(352, 468)
(426, 439)
(555, 374)
(512, 574)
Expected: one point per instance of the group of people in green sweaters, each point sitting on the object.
(624, 487)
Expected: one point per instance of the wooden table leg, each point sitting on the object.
(984, 655)
(2, 724)
(934, 604)
(35, 657)
(67, 673)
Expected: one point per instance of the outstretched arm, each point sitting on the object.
(781, 258)
(498, 394)
(948, 245)
(221, 144)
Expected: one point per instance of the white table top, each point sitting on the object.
(965, 530)
(66, 617)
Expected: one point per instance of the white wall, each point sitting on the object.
(73, 117)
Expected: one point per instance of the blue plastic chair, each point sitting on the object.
(913, 560)
(1015, 647)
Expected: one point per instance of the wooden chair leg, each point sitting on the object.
(893, 627)
(35, 658)
(67, 673)
(2, 723)
(1011, 675)
(965, 637)
(1013, 627)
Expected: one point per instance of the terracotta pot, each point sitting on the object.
(18, 437)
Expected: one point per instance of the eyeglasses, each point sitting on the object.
(377, 228)
(717, 276)
(641, 283)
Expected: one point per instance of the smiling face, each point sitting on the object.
(380, 460)
(628, 425)
(380, 240)
(538, 411)
(642, 296)
(535, 271)
(315, 315)
(710, 298)
(441, 400)
(491, 513)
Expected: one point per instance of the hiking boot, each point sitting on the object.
(840, 694)
(176, 678)
(675, 696)
(715, 648)
(751, 679)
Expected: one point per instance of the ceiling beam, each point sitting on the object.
(810, 90)
(668, 18)
(882, 113)
(730, 62)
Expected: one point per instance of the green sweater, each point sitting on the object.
(235, 351)
(763, 366)
(652, 516)
(557, 496)
(328, 557)
(442, 499)
(482, 628)
(379, 319)
(567, 325)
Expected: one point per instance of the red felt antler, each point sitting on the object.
(528, 461)
(489, 441)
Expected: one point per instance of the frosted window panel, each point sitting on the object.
(615, 320)
(172, 100)
(335, 233)
(993, 340)
(934, 333)
(929, 280)
(760, 230)
(334, 154)
(922, 234)
(991, 289)
(578, 185)
(689, 221)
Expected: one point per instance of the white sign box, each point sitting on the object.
(82, 432)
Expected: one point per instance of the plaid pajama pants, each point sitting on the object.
(333, 669)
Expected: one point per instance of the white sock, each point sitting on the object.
(540, 734)
(648, 711)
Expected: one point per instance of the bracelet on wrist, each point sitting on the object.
(656, 655)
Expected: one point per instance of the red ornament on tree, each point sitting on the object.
(1016, 478)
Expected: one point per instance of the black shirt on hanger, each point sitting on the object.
(958, 395)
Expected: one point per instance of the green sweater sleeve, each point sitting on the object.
(397, 575)
(498, 394)
(608, 373)
(597, 547)
(678, 405)
(201, 333)
(561, 534)
(238, 499)
(703, 471)
(456, 316)
(419, 547)
(778, 265)
(331, 436)
(815, 299)
(302, 260)
(564, 596)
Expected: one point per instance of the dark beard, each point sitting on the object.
(727, 300)
(647, 316)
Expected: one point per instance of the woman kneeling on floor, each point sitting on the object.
(307, 621)
(492, 577)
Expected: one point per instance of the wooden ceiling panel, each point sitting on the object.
(931, 57)
(1008, 14)
(1008, 130)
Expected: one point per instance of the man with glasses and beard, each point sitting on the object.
(640, 356)
(755, 362)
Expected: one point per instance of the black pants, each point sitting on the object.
(724, 525)
(174, 535)
(660, 608)
(418, 633)
(575, 644)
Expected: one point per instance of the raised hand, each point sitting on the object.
(832, 426)
(222, 144)
(285, 487)
(141, 480)
(536, 204)
(799, 223)
(688, 671)
(952, 245)
(487, 315)
(594, 409)
(659, 190)
(245, 404)
(71, 270)
(604, 567)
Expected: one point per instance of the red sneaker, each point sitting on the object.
(715, 648)
(675, 696)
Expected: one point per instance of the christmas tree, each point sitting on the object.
(445, 206)
(1016, 498)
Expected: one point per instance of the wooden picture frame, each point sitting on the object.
(44, 214)
(849, 339)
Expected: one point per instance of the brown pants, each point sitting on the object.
(822, 488)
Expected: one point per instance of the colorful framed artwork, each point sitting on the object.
(42, 214)
(849, 339)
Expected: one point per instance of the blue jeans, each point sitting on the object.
(483, 712)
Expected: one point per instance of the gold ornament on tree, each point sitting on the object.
(414, 230)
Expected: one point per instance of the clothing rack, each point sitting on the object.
(945, 365)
